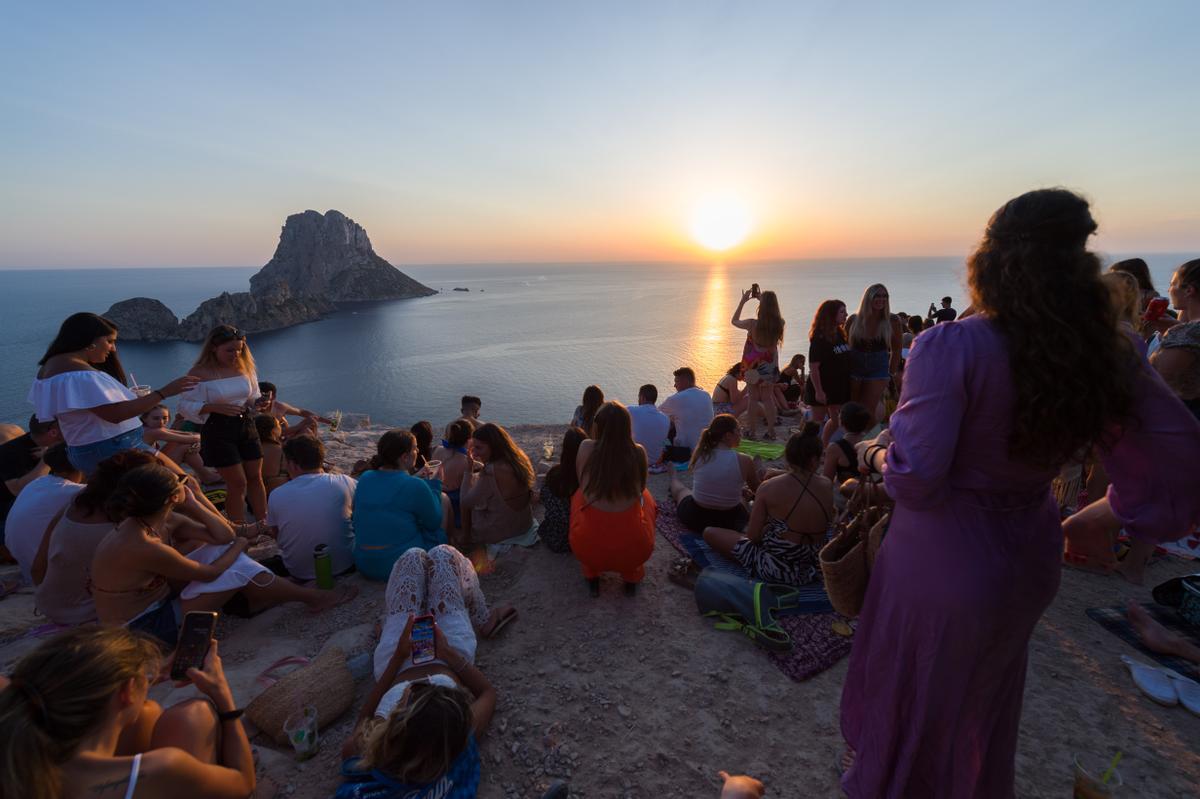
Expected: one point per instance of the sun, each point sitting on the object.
(720, 222)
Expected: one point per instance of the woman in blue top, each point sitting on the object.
(393, 510)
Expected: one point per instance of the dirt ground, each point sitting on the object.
(639, 697)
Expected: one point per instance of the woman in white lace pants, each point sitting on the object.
(441, 583)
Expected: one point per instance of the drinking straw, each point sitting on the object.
(1111, 767)
(132, 379)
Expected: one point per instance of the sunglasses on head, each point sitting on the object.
(228, 334)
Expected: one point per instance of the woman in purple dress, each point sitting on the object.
(992, 406)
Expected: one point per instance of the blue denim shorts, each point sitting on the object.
(88, 457)
(872, 365)
(161, 621)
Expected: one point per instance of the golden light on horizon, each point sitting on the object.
(720, 222)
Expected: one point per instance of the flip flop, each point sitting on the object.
(506, 615)
(1187, 690)
(1153, 682)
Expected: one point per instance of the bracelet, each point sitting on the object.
(231, 715)
(161, 396)
(871, 450)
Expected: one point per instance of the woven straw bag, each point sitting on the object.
(847, 559)
(326, 683)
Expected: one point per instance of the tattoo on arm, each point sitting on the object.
(117, 786)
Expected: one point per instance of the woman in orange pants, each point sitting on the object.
(612, 513)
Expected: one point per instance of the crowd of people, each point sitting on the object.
(124, 519)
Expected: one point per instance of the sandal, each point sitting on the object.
(503, 616)
(684, 572)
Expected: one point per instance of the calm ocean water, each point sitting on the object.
(526, 338)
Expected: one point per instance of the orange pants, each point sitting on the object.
(613, 542)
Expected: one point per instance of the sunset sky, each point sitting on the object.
(140, 134)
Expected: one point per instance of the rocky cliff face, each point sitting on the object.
(144, 319)
(321, 260)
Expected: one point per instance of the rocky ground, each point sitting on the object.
(640, 698)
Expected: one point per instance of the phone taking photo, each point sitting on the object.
(424, 648)
(754, 291)
(195, 638)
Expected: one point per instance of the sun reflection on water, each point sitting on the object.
(713, 341)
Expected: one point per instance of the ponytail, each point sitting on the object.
(721, 425)
(393, 445)
(142, 491)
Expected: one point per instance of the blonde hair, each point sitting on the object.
(768, 330)
(208, 352)
(60, 693)
(857, 330)
(421, 738)
(1124, 294)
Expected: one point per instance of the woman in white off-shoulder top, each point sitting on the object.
(81, 383)
(223, 404)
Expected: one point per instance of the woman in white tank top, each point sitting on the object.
(721, 476)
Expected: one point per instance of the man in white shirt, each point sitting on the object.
(690, 409)
(650, 425)
(38, 503)
(312, 508)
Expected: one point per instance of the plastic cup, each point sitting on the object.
(1088, 773)
(301, 729)
(548, 449)
(432, 470)
(142, 391)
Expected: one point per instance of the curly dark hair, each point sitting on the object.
(1072, 367)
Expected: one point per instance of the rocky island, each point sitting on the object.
(322, 261)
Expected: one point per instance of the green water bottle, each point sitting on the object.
(323, 566)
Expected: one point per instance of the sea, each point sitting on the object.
(526, 338)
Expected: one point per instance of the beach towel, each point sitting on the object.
(1114, 620)
(240, 572)
(525, 539)
(815, 646)
(767, 450)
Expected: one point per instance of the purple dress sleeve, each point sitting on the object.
(1154, 481)
(925, 426)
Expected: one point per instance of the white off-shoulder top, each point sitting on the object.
(70, 396)
(237, 390)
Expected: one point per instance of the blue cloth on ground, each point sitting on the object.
(460, 782)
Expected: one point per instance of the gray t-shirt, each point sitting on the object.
(310, 510)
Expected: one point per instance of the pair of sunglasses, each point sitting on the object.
(228, 334)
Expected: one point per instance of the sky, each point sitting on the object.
(164, 134)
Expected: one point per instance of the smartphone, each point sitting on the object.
(423, 647)
(1156, 308)
(754, 290)
(195, 637)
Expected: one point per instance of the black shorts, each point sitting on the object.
(832, 398)
(229, 440)
(696, 518)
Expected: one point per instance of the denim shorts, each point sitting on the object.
(160, 620)
(88, 457)
(872, 365)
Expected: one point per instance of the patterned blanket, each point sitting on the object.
(815, 646)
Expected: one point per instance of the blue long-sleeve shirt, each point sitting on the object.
(394, 512)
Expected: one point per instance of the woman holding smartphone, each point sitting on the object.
(447, 694)
(223, 402)
(760, 355)
(75, 721)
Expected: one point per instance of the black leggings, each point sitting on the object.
(695, 517)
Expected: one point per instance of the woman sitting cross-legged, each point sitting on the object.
(416, 732)
(790, 519)
(498, 500)
(181, 447)
(612, 513)
(720, 473)
(75, 722)
(395, 511)
(559, 486)
(137, 565)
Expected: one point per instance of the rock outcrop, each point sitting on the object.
(144, 319)
(322, 260)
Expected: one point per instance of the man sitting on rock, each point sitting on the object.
(270, 403)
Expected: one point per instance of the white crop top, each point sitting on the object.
(70, 396)
(239, 390)
(388, 702)
(717, 482)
